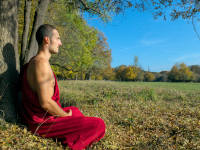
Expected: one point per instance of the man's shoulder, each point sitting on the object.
(39, 71)
(39, 62)
(39, 66)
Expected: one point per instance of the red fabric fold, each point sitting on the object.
(76, 131)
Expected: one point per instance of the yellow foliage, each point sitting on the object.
(180, 72)
(130, 73)
(149, 76)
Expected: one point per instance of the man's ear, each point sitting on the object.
(46, 40)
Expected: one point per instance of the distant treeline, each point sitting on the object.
(178, 73)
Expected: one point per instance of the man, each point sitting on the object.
(40, 97)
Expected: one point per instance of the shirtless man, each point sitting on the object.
(40, 75)
(40, 98)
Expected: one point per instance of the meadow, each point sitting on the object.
(138, 115)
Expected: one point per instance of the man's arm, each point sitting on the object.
(45, 89)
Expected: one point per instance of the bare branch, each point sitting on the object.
(65, 68)
(194, 28)
(89, 8)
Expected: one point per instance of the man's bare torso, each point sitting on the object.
(32, 69)
(41, 80)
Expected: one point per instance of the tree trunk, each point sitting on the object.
(9, 59)
(27, 11)
(38, 20)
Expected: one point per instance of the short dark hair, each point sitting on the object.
(42, 31)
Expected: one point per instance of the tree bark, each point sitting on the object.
(27, 11)
(9, 59)
(38, 20)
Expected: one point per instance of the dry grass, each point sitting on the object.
(17, 137)
(137, 115)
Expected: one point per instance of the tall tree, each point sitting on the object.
(135, 61)
(101, 57)
(85, 52)
(27, 12)
(9, 59)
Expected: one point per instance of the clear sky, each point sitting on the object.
(158, 44)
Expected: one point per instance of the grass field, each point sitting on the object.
(138, 115)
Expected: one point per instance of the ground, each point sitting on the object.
(138, 115)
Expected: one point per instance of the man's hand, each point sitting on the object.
(69, 112)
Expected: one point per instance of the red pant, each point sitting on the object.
(76, 131)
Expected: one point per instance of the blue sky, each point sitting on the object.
(158, 44)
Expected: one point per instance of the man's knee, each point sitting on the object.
(98, 124)
(99, 128)
(101, 123)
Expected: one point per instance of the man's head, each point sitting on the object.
(49, 36)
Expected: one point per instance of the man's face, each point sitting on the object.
(55, 42)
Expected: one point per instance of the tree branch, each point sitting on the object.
(194, 28)
(27, 12)
(65, 68)
(38, 20)
(86, 7)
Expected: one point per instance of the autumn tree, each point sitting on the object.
(161, 76)
(129, 73)
(148, 76)
(120, 72)
(138, 70)
(180, 72)
(109, 74)
(140, 75)
(102, 58)
(85, 53)
(196, 70)
(174, 74)
(185, 73)
(135, 61)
